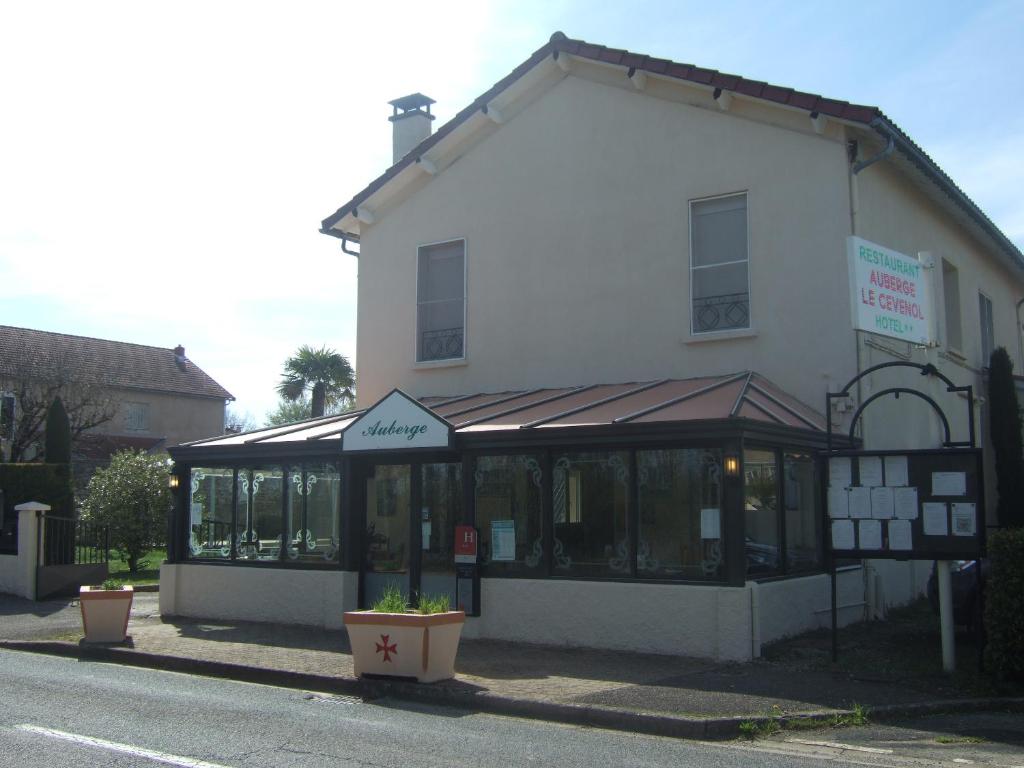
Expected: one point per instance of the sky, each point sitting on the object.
(164, 167)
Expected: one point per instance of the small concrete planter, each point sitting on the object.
(422, 646)
(105, 613)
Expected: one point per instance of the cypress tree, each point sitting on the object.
(58, 434)
(1005, 430)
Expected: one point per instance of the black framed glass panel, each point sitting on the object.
(260, 495)
(679, 495)
(210, 499)
(440, 512)
(314, 499)
(590, 497)
(761, 512)
(803, 537)
(507, 492)
(386, 540)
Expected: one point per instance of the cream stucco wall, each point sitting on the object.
(894, 212)
(575, 213)
(175, 417)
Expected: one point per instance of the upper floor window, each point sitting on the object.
(441, 301)
(719, 280)
(951, 301)
(988, 333)
(136, 417)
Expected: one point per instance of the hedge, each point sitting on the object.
(1004, 604)
(46, 483)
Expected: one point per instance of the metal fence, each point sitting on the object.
(67, 541)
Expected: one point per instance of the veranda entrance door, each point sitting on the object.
(411, 514)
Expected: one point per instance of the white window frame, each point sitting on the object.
(981, 322)
(465, 306)
(725, 332)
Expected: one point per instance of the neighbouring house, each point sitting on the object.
(118, 395)
(599, 312)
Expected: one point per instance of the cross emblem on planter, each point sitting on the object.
(387, 649)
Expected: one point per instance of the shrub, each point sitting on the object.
(1004, 604)
(1005, 421)
(131, 497)
(58, 434)
(45, 483)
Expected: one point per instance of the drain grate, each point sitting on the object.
(327, 698)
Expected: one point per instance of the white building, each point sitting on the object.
(616, 289)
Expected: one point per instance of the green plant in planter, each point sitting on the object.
(112, 584)
(434, 604)
(392, 601)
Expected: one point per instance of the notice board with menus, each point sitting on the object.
(905, 505)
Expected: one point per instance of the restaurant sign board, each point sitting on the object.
(891, 292)
(397, 423)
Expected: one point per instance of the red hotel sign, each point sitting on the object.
(465, 544)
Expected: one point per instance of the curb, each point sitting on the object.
(650, 723)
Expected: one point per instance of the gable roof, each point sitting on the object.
(27, 353)
(866, 117)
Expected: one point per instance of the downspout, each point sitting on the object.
(879, 125)
(345, 238)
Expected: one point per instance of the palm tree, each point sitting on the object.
(328, 374)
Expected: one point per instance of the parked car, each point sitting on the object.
(964, 582)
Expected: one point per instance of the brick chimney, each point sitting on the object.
(179, 356)
(410, 122)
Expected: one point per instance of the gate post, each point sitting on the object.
(29, 545)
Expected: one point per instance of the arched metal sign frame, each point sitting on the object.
(926, 369)
(958, 446)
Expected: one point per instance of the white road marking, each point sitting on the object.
(113, 746)
(840, 745)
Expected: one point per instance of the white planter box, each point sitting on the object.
(105, 613)
(405, 644)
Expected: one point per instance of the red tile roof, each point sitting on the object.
(40, 354)
(868, 116)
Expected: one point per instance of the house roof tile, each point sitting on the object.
(40, 354)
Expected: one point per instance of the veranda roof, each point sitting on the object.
(744, 395)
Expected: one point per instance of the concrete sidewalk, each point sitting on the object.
(648, 693)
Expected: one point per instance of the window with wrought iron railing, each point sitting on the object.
(441, 301)
(719, 277)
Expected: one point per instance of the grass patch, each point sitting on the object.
(857, 716)
(148, 572)
(959, 740)
(770, 724)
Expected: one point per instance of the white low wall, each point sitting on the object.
(280, 595)
(791, 606)
(721, 623)
(18, 572)
(706, 621)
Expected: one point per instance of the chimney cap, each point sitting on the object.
(414, 103)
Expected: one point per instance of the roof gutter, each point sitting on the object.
(931, 170)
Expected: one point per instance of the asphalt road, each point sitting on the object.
(61, 712)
